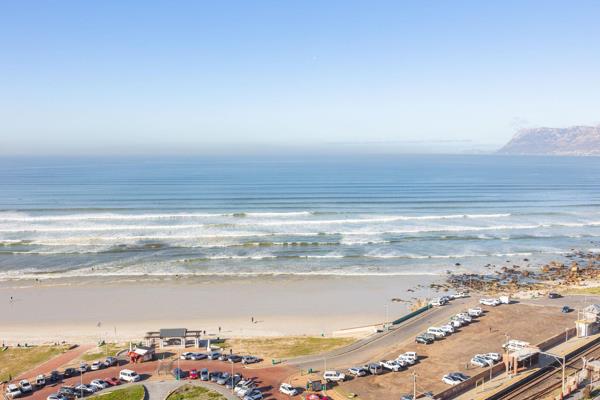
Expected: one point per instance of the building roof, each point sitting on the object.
(173, 332)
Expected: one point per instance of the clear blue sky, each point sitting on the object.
(143, 76)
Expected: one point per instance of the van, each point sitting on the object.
(437, 332)
(375, 369)
(128, 375)
(504, 299)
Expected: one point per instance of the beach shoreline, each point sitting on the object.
(121, 310)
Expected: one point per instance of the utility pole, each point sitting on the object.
(563, 374)
(414, 374)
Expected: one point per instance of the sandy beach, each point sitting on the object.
(87, 312)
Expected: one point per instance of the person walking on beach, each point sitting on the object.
(219, 329)
(252, 319)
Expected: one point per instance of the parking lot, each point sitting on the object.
(453, 353)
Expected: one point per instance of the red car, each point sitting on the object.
(112, 381)
(193, 374)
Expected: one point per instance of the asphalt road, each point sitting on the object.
(375, 346)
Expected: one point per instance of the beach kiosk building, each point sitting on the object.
(588, 321)
(166, 335)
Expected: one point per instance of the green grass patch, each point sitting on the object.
(135, 392)
(16, 360)
(285, 347)
(589, 291)
(110, 349)
(189, 392)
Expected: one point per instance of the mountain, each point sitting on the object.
(573, 141)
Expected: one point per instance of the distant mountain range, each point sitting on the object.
(573, 141)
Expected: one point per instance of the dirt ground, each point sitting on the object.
(453, 353)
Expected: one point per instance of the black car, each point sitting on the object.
(69, 372)
(553, 295)
(423, 339)
(54, 376)
(234, 358)
(67, 391)
(215, 376)
(566, 309)
(178, 373)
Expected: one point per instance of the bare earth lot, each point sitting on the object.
(518, 321)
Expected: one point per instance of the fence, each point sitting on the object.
(412, 314)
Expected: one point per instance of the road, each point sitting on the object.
(375, 346)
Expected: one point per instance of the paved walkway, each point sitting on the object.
(159, 390)
(56, 362)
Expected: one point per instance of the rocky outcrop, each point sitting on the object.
(573, 141)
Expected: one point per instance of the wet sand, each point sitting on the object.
(86, 311)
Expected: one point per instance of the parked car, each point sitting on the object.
(111, 361)
(234, 358)
(465, 317)
(554, 295)
(99, 384)
(447, 328)
(566, 309)
(186, 356)
(334, 376)
(96, 366)
(56, 396)
(12, 391)
(375, 369)
(358, 371)
(83, 367)
(223, 378)
(254, 395)
(438, 302)
(288, 389)
(67, 391)
(25, 386)
(198, 356)
(490, 302)
(213, 355)
(450, 380)
(406, 359)
(232, 381)
(412, 356)
(112, 381)
(128, 375)
(193, 374)
(214, 376)
(461, 295)
(204, 374)
(494, 356)
(456, 323)
(250, 360)
(422, 339)
(178, 373)
(40, 382)
(391, 365)
(69, 372)
(437, 332)
(246, 389)
(460, 376)
(55, 376)
(475, 312)
(480, 361)
(223, 357)
(84, 389)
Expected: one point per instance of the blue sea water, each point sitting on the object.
(343, 215)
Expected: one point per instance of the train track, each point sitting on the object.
(549, 379)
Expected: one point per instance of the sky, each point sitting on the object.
(153, 77)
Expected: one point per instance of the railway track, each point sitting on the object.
(548, 379)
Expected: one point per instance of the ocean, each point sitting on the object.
(322, 216)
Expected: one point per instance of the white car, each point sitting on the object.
(435, 331)
(406, 359)
(246, 390)
(358, 371)
(480, 361)
(447, 328)
(99, 384)
(461, 295)
(25, 386)
(96, 366)
(391, 365)
(254, 395)
(490, 302)
(186, 356)
(288, 389)
(334, 376)
(450, 380)
(438, 302)
(494, 356)
(56, 396)
(12, 391)
(242, 384)
(411, 355)
(475, 312)
(456, 323)
(128, 375)
(465, 317)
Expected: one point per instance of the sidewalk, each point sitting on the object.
(56, 362)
